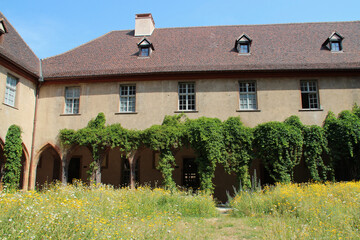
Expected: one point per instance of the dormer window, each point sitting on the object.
(145, 48)
(242, 44)
(334, 42)
(2, 26)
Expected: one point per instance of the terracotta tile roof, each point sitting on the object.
(195, 49)
(13, 48)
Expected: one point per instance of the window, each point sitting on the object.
(187, 96)
(309, 95)
(145, 47)
(144, 52)
(335, 46)
(242, 44)
(10, 90)
(334, 42)
(244, 48)
(248, 96)
(72, 100)
(127, 98)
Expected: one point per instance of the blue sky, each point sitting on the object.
(53, 27)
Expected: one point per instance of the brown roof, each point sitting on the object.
(14, 49)
(204, 49)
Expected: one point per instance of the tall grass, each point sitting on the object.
(304, 211)
(80, 212)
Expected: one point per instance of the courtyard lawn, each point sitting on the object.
(292, 211)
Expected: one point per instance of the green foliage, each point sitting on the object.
(12, 153)
(314, 148)
(238, 144)
(206, 137)
(279, 146)
(343, 134)
(166, 138)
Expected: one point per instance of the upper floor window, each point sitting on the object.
(187, 96)
(242, 44)
(145, 48)
(72, 100)
(127, 98)
(10, 90)
(248, 95)
(334, 42)
(309, 94)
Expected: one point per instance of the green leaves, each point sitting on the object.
(13, 153)
(279, 146)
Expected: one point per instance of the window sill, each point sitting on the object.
(186, 111)
(70, 114)
(311, 110)
(244, 54)
(120, 113)
(143, 57)
(248, 110)
(10, 106)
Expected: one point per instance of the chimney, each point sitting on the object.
(144, 24)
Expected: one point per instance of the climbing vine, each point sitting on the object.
(166, 139)
(238, 146)
(279, 146)
(314, 148)
(206, 137)
(343, 135)
(12, 153)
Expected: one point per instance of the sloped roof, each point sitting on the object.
(204, 49)
(14, 48)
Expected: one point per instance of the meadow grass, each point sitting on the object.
(303, 211)
(81, 212)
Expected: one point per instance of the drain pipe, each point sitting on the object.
(32, 174)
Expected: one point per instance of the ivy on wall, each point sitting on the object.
(343, 135)
(238, 149)
(279, 146)
(12, 153)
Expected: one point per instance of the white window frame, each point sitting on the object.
(127, 97)
(72, 100)
(188, 95)
(10, 90)
(307, 88)
(248, 94)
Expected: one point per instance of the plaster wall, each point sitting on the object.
(277, 98)
(23, 112)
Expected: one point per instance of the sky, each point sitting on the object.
(53, 27)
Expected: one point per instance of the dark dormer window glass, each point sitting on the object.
(334, 42)
(144, 52)
(145, 48)
(335, 46)
(242, 44)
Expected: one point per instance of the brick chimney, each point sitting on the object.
(144, 24)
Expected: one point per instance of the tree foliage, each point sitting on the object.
(238, 149)
(279, 146)
(343, 135)
(12, 152)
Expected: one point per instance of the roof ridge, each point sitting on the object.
(80, 45)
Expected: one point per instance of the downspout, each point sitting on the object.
(31, 183)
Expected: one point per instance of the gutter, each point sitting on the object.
(40, 82)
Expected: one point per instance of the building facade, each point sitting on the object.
(258, 72)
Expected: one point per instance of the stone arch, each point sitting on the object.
(25, 167)
(47, 164)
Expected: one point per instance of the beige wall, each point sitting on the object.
(23, 112)
(278, 98)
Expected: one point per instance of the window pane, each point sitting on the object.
(186, 96)
(127, 98)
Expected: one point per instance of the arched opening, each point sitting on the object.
(48, 167)
(77, 165)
